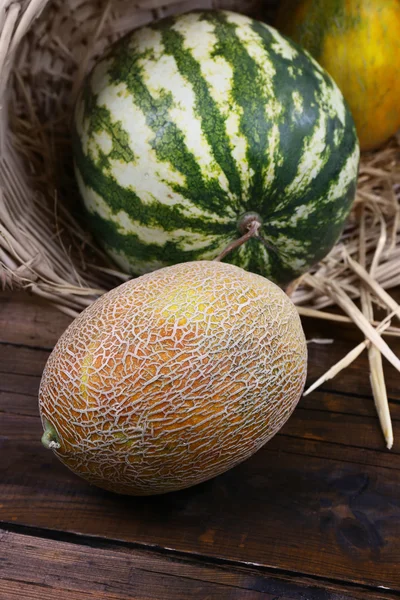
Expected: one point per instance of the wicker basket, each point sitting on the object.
(45, 50)
(46, 47)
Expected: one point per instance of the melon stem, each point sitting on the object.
(50, 439)
(250, 223)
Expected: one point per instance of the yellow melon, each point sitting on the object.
(358, 43)
(173, 378)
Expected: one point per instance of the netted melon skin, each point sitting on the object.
(174, 377)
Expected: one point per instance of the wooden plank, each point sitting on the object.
(52, 569)
(19, 360)
(322, 415)
(28, 431)
(64, 570)
(16, 360)
(21, 369)
(24, 319)
(355, 378)
(352, 429)
(18, 404)
(346, 429)
(346, 403)
(27, 385)
(332, 452)
(280, 509)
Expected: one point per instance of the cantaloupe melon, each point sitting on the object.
(173, 378)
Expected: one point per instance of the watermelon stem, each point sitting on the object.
(250, 223)
(50, 439)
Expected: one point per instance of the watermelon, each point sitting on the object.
(191, 127)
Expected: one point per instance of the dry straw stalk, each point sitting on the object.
(45, 49)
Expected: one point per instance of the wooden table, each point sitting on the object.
(314, 515)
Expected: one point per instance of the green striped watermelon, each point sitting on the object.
(186, 126)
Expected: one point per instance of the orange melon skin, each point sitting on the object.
(174, 377)
(358, 43)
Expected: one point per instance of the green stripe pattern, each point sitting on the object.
(186, 125)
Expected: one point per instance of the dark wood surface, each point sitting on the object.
(314, 515)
